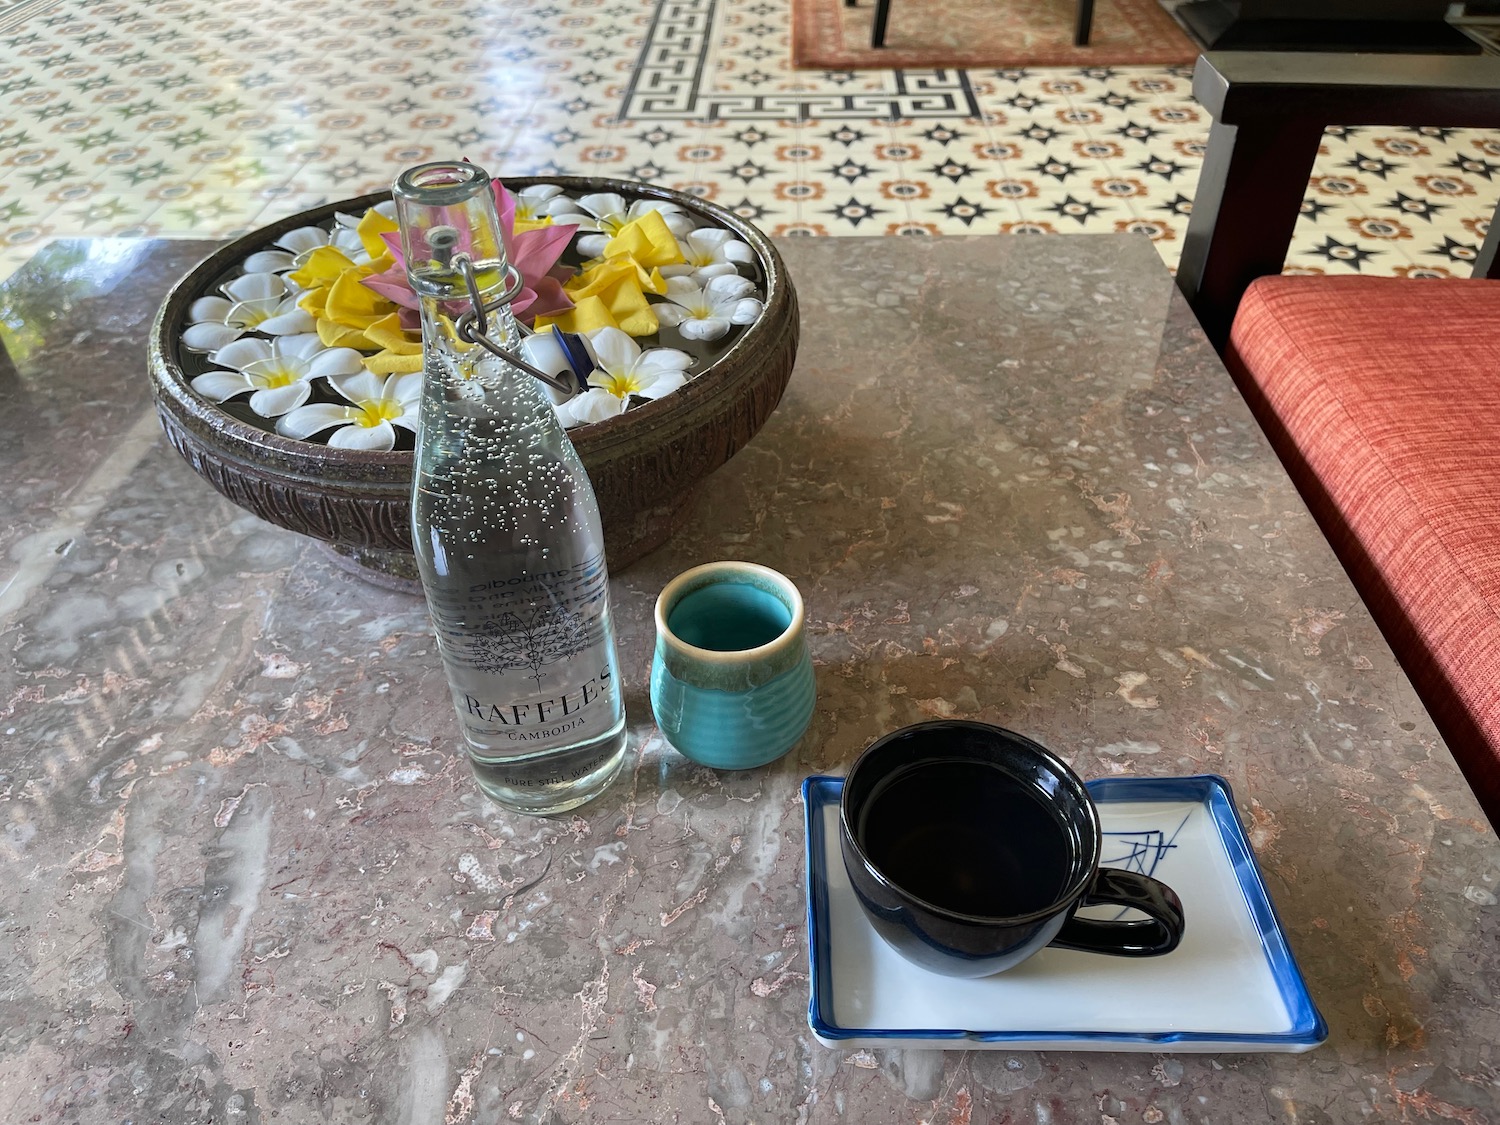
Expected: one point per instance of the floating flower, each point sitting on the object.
(399, 354)
(710, 252)
(594, 405)
(648, 240)
(540, 205)
(535, 254)
(377, 406)
(623, 369)
(261, 302)
(344, 236)
(708, 313)
(606, 212)
(278, 372)
(611, 294)
(350, 307)
(345, 309)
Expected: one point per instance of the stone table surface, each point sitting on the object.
(247, 877)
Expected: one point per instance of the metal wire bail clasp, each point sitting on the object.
(473, 326)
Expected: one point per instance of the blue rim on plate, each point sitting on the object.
(1305, 1025)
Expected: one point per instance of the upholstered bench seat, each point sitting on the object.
(1382, 397)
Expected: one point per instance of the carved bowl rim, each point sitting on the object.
(319, 465)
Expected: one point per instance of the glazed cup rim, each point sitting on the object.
(1076, 885)
(690, 580)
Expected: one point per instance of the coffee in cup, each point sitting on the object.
(970, 848)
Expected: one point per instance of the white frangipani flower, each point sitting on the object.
(594, 405)
(622, 369)
(270, 261)
(708, 313)
(606, 213)
(278, 372)
(262, 302)
(387, 208)
(709, 252)
(542, 201)
(297, 244)
(377, 405)
(303, 241)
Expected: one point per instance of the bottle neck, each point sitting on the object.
(443, 307)
(464, 380)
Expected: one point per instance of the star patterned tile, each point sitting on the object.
(185, 118)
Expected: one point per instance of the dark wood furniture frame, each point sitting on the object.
(1382, 26)
(1269, 114)
(1083, 21)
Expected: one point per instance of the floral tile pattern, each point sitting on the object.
(186, 118)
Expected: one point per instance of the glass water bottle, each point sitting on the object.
(505, 525)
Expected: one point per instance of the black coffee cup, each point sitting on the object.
(970, 847)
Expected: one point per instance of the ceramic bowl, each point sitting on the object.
(646, 464)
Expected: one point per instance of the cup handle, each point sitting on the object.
(1150, 937)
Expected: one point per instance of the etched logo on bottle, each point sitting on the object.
(557, 715)
(530, 639)
(540, 711)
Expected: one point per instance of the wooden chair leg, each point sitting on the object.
(1084, 23)
(882, 13)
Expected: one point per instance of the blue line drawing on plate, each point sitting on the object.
(1144, 848)
(1143, 851)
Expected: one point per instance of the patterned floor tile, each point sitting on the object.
(1386, 201)
(183, 117)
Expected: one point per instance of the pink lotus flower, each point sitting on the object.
(533, 252)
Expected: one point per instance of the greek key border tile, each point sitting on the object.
(672, 81)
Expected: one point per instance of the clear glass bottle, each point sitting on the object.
(505, 525)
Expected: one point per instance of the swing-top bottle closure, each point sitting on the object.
(442, 270)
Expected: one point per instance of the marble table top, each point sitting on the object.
(247, 877)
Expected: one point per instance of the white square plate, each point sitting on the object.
(1232, 985)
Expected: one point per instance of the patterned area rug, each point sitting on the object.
(828, 35)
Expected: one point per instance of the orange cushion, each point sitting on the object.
(1382, 397)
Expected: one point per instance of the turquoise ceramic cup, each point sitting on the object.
(731, 678)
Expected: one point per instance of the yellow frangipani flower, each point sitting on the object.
(587, 315)
(322, 268)
(621, 285)
(342, 307)
(370, 228)
(399, 354)
(354, 305)
(648, 240)
(338, 336)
